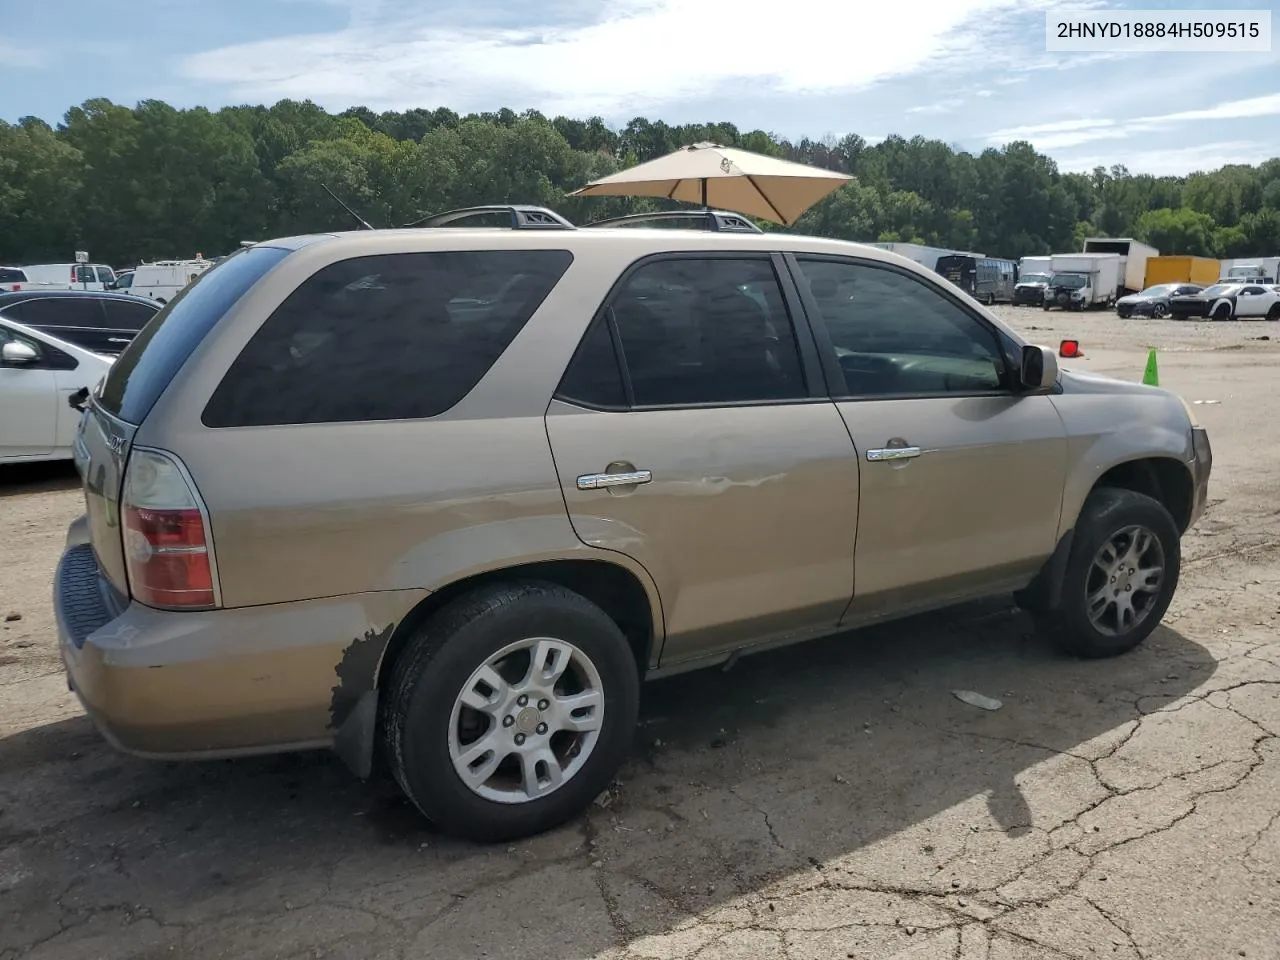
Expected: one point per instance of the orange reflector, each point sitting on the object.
(1069, 348)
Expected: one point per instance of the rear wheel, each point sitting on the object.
(1274, 312)
(1120, 575)
(510, 711)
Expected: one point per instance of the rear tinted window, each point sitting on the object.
(10, 275)
(144, 369)
(394, 337)
(123, 315)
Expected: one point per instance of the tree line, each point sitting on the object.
(150, 181)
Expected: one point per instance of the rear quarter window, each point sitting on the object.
(10, 275)
(389, 337)
(150, 362)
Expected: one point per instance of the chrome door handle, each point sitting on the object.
(893, 453)
(598, 481)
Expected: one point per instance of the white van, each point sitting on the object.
(161, 281)
(69, 276)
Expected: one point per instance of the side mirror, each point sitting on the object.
(1039, 371)
(18, 353)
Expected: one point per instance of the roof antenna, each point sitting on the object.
(364, 224)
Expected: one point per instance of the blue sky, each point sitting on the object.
(972, 72)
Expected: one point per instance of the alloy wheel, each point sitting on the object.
(1124, 581)
(526, 720)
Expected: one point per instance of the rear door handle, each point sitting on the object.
(598, 481)
(893, 453)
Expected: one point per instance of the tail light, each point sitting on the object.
(166, 538)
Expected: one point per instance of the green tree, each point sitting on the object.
(1181, 231)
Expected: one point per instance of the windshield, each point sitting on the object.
(1034, 278)
(1072, 280)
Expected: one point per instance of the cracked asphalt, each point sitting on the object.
(829, 801)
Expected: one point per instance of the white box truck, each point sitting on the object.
(1251, 269)
(1135, 256)
(1083, 280)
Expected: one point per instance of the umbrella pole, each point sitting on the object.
(705, 205)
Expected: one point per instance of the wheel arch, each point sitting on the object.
(1164, 479)
(629, 599)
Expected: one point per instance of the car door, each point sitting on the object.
(76, 319)
(692, 432)
(962, 478)
(1252, 301)
(28, 402)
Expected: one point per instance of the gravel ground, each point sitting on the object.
(828, 801)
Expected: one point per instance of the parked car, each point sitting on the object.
(69, 276)
(12, 278)
(1030, 288)
(102, 322)
(1154, 301)
(447, 495)
(38, 375)
(1229, 301)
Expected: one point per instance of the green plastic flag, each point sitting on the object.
(1151, 376)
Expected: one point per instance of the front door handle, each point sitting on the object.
(893, 453)
(598, 481)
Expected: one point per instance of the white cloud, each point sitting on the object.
(942, 106)
(637, 54)
(12, 55)
(1177, 161)
(1071, 133)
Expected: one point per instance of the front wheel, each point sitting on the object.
(1120, 575)
(1159, 311)
(510, 711)
(1221, 312)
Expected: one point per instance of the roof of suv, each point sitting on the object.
(642, 240)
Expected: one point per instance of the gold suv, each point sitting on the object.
(440, 498)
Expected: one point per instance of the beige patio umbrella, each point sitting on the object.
(724, 178)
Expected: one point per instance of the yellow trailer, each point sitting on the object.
(1202, 270)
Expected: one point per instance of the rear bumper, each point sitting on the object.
(212, 683)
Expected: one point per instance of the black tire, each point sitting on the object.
(1159, 311)
(436, 664)
(1221, 312)
(1106, 513)
(1045, 306)
(1274, 312)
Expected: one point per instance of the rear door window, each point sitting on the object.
(123, 315)
(85, 275)
(391, 337)
(149, 363)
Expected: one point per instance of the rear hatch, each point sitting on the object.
(124, 397)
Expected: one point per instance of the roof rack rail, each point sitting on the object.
(720, 221)
(523, 217)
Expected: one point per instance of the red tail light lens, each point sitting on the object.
(166, 543)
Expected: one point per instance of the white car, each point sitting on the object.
(38, 375)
